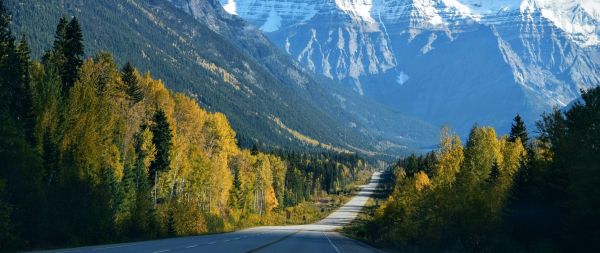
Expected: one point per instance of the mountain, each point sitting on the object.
(229, 66)
(455, 62)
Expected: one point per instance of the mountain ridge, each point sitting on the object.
(250, 82)
(403, 53)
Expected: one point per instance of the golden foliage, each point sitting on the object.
(450, 158)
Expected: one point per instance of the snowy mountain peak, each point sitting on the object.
(357, 8)
(579, 18)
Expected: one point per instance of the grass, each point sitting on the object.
(358, 229)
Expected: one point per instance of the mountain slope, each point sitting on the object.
(444, 61)
(267, 97)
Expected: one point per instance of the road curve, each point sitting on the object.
(319, 237)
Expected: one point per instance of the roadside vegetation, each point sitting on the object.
(92, 153)
(499, 194)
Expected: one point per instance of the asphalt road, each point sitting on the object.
(319, 237)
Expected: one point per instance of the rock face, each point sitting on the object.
(455, 62)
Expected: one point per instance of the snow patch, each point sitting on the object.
(357, 8)
(288, 45)
(429, 46)
(230, 7)
(402, 78)
(272, 23)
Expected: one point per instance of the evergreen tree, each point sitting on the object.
(518, 130)
(494, 173)
(162, 140)
(50, 156)
(55, 57)
(7, 41)
(73, 52)
(171, 226)
(60, 38)
(8, 73)
(142, 214)
(132, 84)
(67, 52)
(24, 105)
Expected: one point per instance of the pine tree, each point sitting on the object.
(55, 57)
(171, 226)
(7, 41)
(73, 52)
(24, 104)
(7, 65)
(60, 38)
(66, 55)
(142, 216)
(518, 130)
(50, 158)
(162, 140)
(494, 173)
(132, 84)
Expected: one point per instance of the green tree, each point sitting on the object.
(162, 138)
(518, 131)
(67, 52)
(54, 58)
(60, 37)
(494, 174)
(25, 104)
(132, 83)
(575, 143)
(9, 74)
(73, 51)
(142, 220)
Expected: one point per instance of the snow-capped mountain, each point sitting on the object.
(454, 62)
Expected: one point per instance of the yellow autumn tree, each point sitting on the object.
(450, 157)
(89, 124)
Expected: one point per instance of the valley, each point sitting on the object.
(335, 126)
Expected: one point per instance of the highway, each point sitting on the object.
(320, 237)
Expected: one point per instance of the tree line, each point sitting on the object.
(501, 194)
(92, 152)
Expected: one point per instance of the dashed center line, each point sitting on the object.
(161, 251)
(226, 240)
(191, 246)
(211, 243)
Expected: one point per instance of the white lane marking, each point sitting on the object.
(330, 242)
(237, 238)
(114, 247)
(191, 246)
(161, 251)
(211, 243)
(67, 251)
(226, 240)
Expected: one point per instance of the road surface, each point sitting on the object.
(319, 237)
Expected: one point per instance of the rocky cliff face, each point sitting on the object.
(454, 62)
